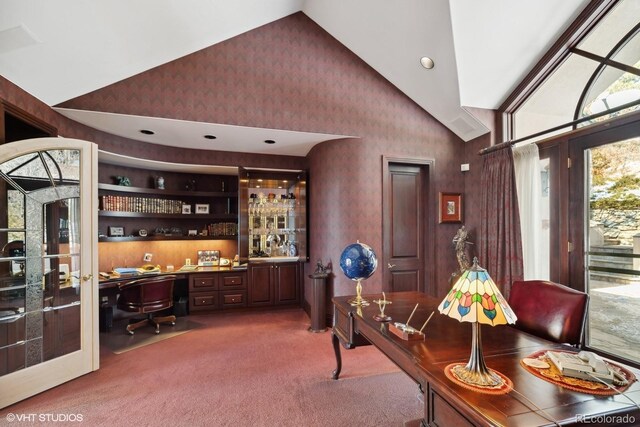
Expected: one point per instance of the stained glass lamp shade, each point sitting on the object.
(475, 298)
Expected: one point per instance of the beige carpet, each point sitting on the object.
(119, 341)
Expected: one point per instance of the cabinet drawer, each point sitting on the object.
(234, 299)
(199, 282)
(203, 301)
(232, 281)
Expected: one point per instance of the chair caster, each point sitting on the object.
(173, 323)
(130, 332)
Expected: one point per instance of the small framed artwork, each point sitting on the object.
(116, 231)
(186, 209)
(450, 207)
(208, 258)
(202, 209)
(192, 233)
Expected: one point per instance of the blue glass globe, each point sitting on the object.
(358, 261)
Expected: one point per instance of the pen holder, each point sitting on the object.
(405, 332)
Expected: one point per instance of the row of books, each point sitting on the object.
(223, 229)
(140, 204)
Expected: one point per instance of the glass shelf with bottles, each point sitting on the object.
(272, 224)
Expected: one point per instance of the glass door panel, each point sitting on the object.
(47, 299)
(612, 236)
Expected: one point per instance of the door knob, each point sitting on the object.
(390, 265)
(87, 277)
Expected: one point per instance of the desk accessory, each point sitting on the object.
(475, 298)
(550, 373)
(358, 262)
(406, 331)
(382, 303)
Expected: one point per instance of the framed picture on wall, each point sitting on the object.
(450, 207)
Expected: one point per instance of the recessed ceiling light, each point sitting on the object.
(147, 131)
(259, 180)
(210, 136)
(269, 141)
(427, 62)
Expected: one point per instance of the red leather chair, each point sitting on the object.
(147, 296)
(549, 310)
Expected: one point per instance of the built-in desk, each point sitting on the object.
(209, 288)
(448, 341)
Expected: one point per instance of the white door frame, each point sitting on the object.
(27, 382)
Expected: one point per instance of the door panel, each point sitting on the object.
(48, 295)
(404, 225)
(261, 284)
(287, 283)
(605, 260)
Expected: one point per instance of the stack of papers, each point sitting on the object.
(188, 268)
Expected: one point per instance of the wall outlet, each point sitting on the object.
(464, 167)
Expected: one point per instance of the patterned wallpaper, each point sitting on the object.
(293, 75)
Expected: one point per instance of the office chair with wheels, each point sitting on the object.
(549, 310)
(147, 296)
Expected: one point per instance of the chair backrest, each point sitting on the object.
(549, 310)
(147, 295)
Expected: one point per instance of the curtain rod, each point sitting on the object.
(553, 129)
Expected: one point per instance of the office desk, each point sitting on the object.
(448, 341)
(207, 288)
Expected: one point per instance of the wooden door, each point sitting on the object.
(261, 289)
(405, 193)
(48, 315)
(286, 283)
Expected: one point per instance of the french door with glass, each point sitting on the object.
(48, 290)
(604, 228)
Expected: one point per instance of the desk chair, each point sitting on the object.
(549, 310)
(147, 296)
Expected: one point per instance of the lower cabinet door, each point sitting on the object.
(261, 289)
(287, 283)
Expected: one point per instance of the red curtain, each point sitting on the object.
(500, 240)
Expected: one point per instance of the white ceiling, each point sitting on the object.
(59, 50)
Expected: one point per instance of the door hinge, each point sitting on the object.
(568, 162)
(569, 247)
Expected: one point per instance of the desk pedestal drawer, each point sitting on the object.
(442, 413)
(203, 282)
(203, 301)
(233, 299)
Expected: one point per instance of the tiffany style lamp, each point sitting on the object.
(475, 298)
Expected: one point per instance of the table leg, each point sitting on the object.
(336, 348)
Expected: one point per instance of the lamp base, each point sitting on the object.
(504, 387)
(477, 378)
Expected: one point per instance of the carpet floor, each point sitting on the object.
(236, 369)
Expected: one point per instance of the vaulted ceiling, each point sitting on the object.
(60, 50)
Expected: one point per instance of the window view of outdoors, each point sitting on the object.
(614, 248)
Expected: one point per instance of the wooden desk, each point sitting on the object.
(448, 341)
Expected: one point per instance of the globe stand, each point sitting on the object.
(358, 300)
